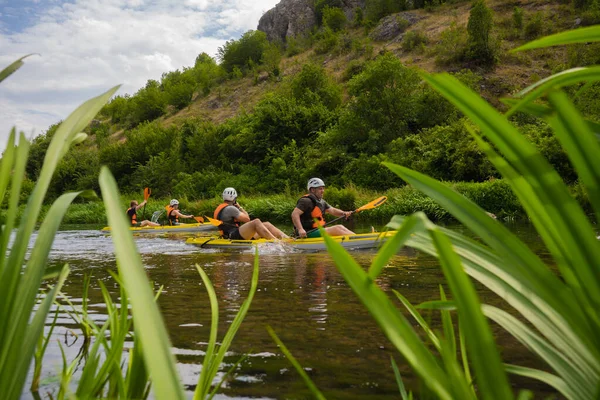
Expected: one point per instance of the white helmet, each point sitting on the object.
(174, 202)
(229, 194)
(315, 183)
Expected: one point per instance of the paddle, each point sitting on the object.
(147, 192)
(369, 206)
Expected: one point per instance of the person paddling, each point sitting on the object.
(173, 213)
(236, 223)
(312, 206)
(132, 214)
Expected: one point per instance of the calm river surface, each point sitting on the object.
(301, 296)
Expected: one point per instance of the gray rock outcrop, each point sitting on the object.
(295, 17)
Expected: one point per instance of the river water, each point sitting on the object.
(301, 296)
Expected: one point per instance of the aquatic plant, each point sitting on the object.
(20, 276)
(559, 319)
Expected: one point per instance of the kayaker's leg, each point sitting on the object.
(275, 231)
(248, 230)
(148, 223)
(338, 230)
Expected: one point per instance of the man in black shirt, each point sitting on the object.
(312, 206)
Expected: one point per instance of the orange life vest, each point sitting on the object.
(308, 220)
(226, 227)
(173, 219)
(133, 217)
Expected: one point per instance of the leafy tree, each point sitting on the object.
(479, 27)
(179, 87)
(313, 84)
(383, 105)
(207, 73)
(149, 103)
(320, 6)
(271, 59)
(239, 53)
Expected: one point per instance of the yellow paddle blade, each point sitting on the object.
(373, 204)
(213, 221)
(199, 219)
(147, 192)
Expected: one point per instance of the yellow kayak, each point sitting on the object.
(357, 241)
(191, 228)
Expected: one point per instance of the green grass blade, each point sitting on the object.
(148, 320)
(579, 143)
(391, 247)
(205, 378)
(564, 78)
(417, 316)
(397, 329)
(403, 393)
(237, 321)
(540, 111)
(309, 383)
(579, 379)
(447, 324)
(542, 376)
(6, 165)
(21, 360)
(572, 243)
(499, 275)
(491, 378)
(464, 357)
(6, 72)
(581, 35)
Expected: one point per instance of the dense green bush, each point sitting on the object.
(334, 18)
(244, 52)
(443, 152)
(414, 40)
(321, 5)
(313, 84)
(179, 87)
(534, 26)
(326, 40)
(366, 172)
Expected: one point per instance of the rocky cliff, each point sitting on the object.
(295, 17)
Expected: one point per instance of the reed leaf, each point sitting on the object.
(401, 387)
(581, 35)
(568, 233)
(148, 320)
(579, 143)
(12, 68)
(564, 78)
(398, 330)
(307, 381)
(417, 316)
(491, 378)
(542, 376)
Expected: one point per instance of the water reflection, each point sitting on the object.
(301, 296)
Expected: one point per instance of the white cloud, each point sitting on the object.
(88, 46)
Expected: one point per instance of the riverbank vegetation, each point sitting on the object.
(335, 102)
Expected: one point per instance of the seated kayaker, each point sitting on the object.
(312, 206)
(236, 223)
(132, 214)
(173, 213)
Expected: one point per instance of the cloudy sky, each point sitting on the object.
(87, 46)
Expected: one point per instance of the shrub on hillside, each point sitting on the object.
(240, 53)
(334, 18)
(534, 26)
(366, 172)
(481, 46)
(414, 40)
(326, 41)
(452, 46)
(313, 84)
(321, 5)
(179, 87)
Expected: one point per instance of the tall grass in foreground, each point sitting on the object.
(560, 317)
(21, 329)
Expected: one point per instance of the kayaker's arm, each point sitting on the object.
(243, 216)
(296, 221)
(336, 212)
